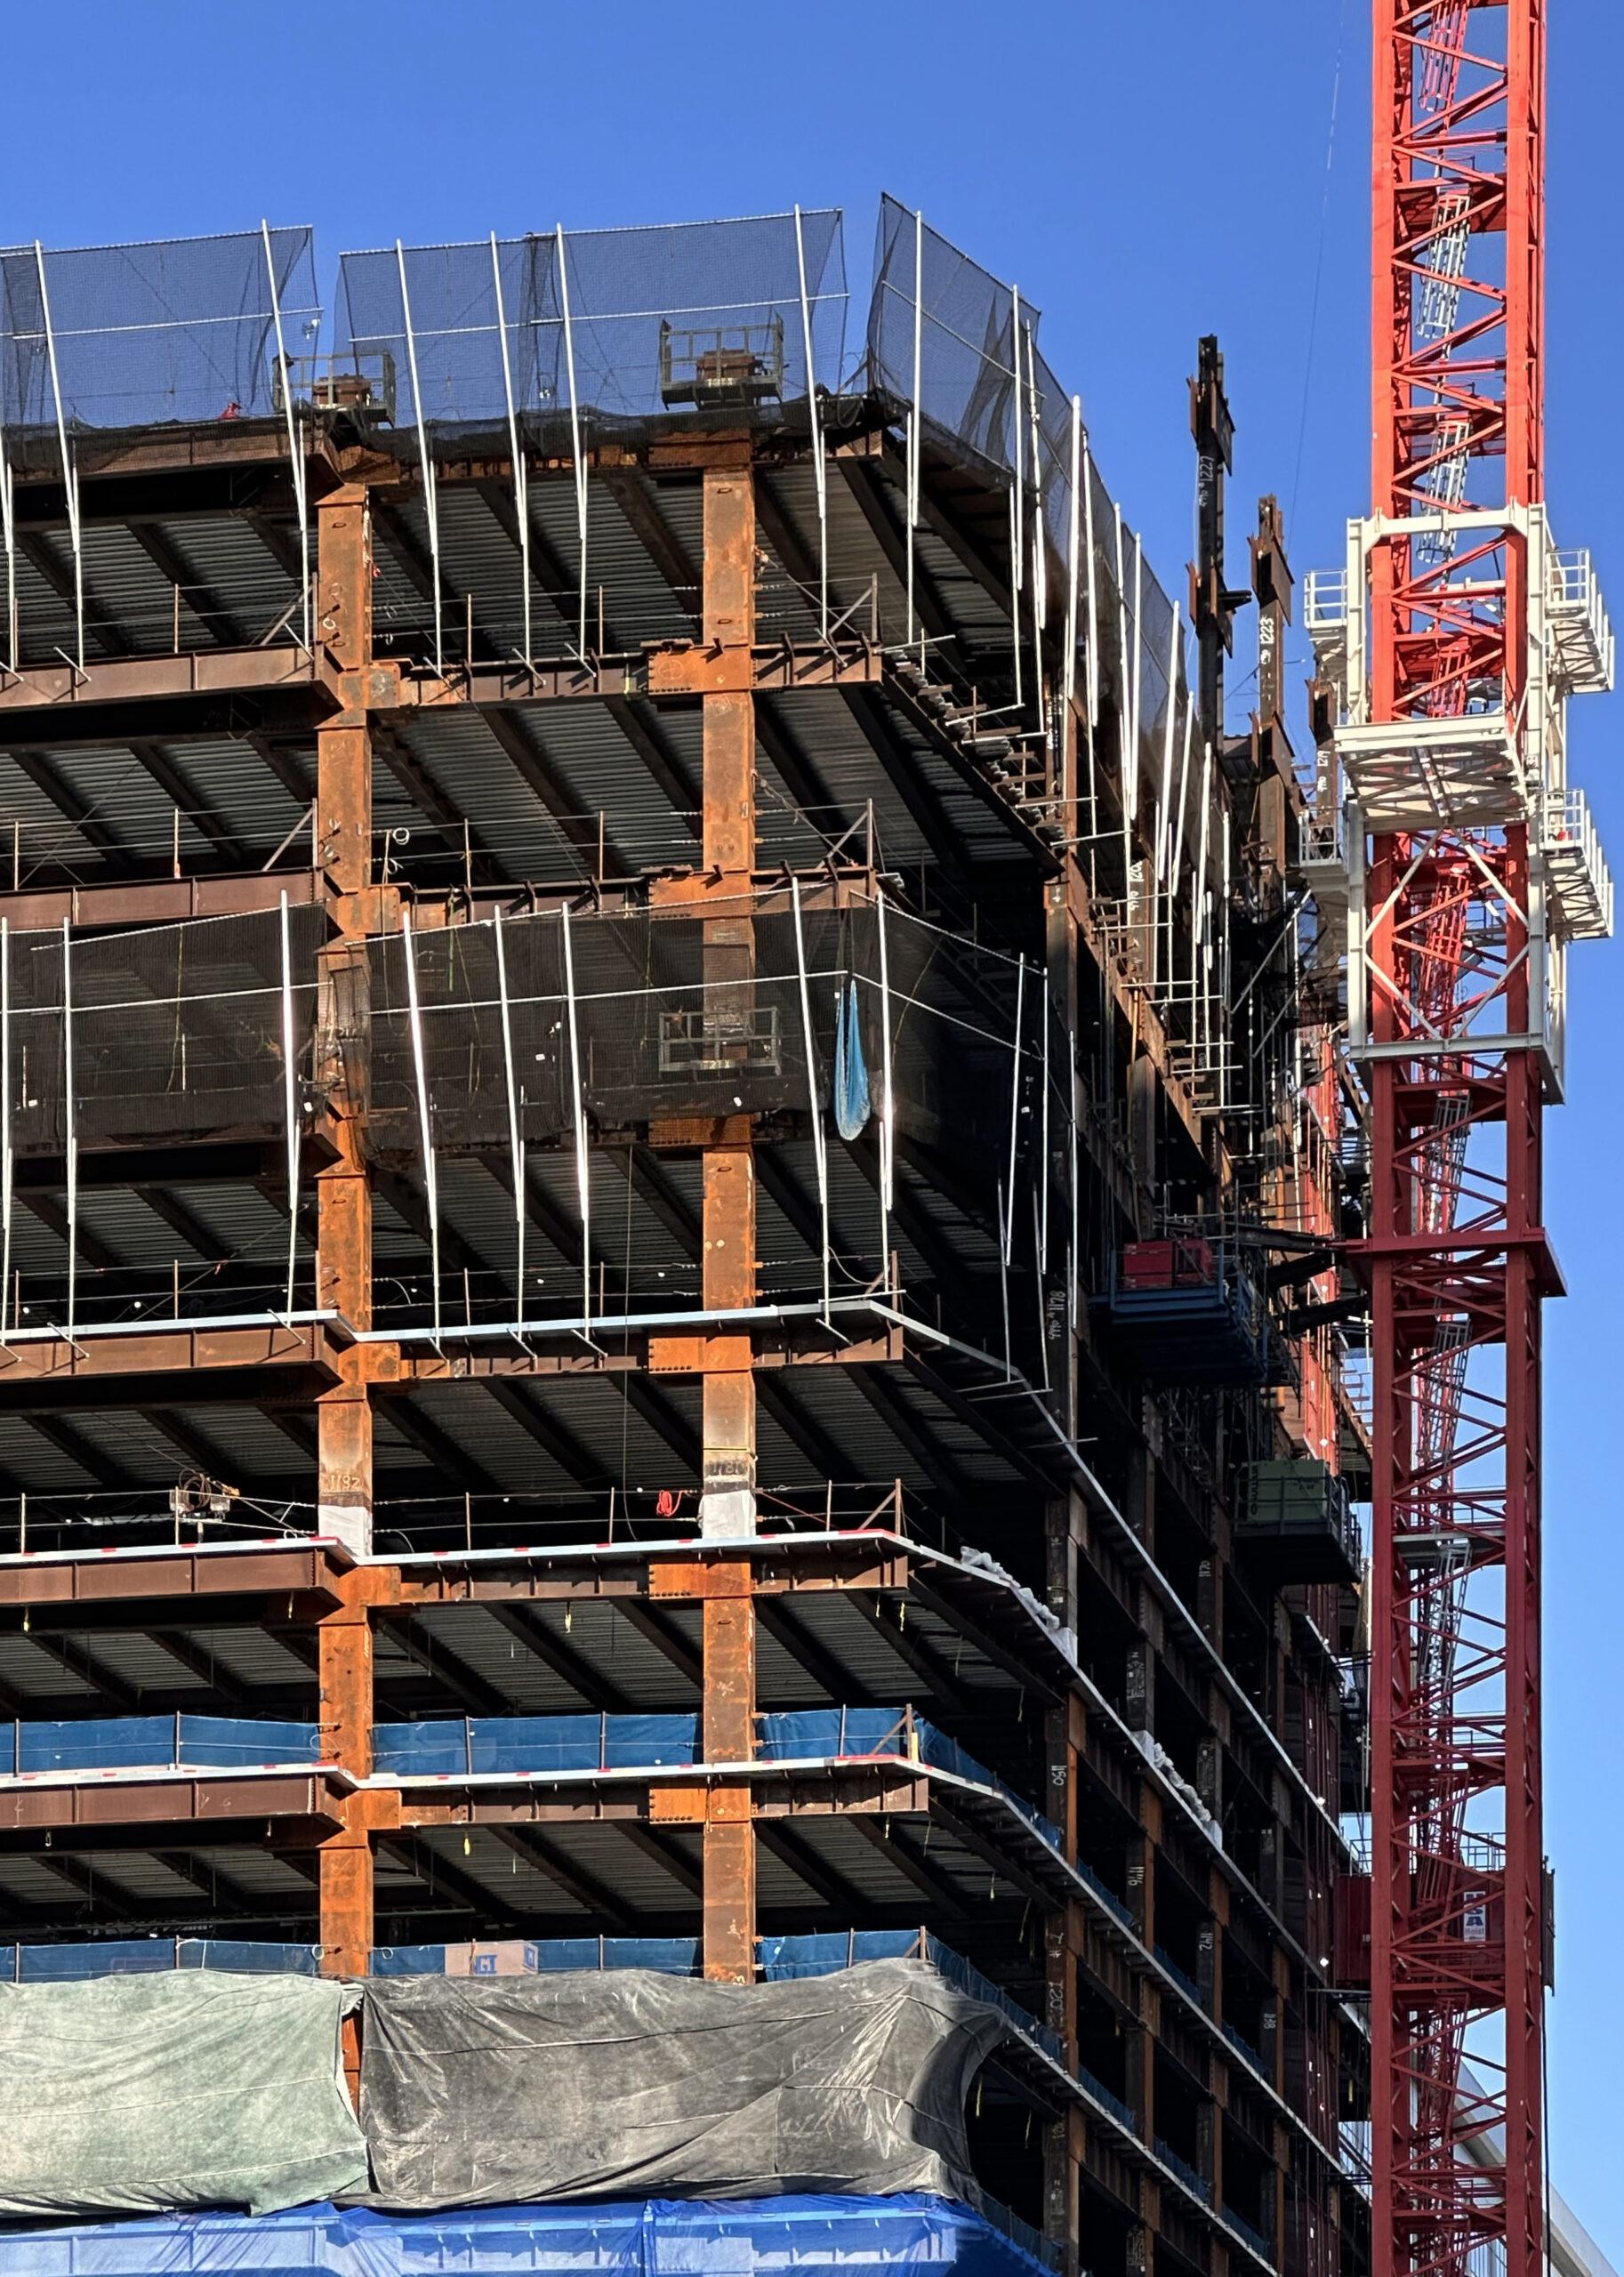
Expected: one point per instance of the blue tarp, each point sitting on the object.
(547, 1956)
(783, 2237)
(131, 1743)
(145, 1956)
(534, 1743)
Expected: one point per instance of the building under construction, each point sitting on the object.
(679, 1174)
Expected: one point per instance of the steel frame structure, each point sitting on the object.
(1453, 1020)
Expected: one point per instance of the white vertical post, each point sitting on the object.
(574, 434)
(1139, 661)
(5, 1119)
(1074, 1255)
(425, 1126)
(516, 1145)
(1042, 693)
(1074, 544)
(1007, 1227)
(1017, 501)
(1091, 661)
(887, 1105)
(1223, 991)
(584, 1161)
(290, 1102)
(1358, 938)
(915, 412)
(1164, 820)
(430, 501)
(72, 1146)
(1200, 947)
(8, 531)
(1127, 748)
(818, 435)
(1039, 549)
(1184, 796)
(521, 497)
(295, 454)
(1043, 1174)
(70, 474)
(819, 1142)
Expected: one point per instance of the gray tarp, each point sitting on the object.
(140, 2094)
(491, 2091)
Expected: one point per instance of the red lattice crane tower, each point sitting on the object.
(1456, 634)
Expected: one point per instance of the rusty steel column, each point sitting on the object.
(344, 1489)
(344, 1662)
(728, 1504)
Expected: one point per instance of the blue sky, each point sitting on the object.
(1145, 173)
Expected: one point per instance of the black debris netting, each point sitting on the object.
(645, 307)
(985, 388)
(504, 2090)
(176, 1032)
(653, 1037)
(180, 330)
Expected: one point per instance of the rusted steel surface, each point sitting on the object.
(47, 690)
(102, 1580)
(729, 1717)
(26, 1367)
(730, 1909)
(672, 1573)
(344, 582)
(740, 668)
(728, 1271)
(305, 1796)
(747, 670)
(160, 901)
(892, 1790)
(343, 628)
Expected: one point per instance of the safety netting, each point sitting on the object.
(540, 1957)
(147, 1743)
(957, 348)
(65, 1963)
(175, 1031)
(812, 2236)
(636, 1019)
(620, 324)
(540, 1745)
(142, 335)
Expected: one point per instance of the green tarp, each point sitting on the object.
(144, 2094)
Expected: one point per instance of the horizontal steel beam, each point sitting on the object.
(43, 691)
(161, 901)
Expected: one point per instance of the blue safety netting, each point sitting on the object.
(539, 1957)
(539, 1743)
(132, 1743)
(146, 334)
(803, 1732)
(810, 2236)
(465, 1746)
(147, 1955)
(645, 307)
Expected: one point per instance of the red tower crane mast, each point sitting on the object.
(1456, 634)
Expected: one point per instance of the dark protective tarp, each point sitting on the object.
(814, 2237)
(475, 2091)
(137, 2094)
